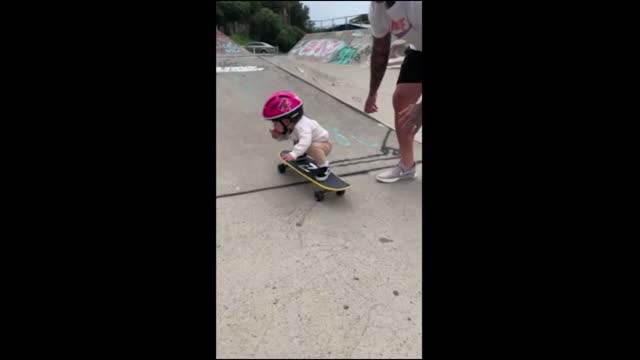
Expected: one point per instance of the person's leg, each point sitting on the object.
(408, 91)
(327, 147)
(318, 151)
(405, 95)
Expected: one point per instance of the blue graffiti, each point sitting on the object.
(231, 48)
(363, 142)
(340, 139)
(344, 140)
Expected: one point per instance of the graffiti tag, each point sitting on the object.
(320, 48)
(344, 141)
(344, 56)
(340, 139)
(231, 48)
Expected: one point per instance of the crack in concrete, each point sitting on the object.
(364, 331)
(355, 173)
(305, 213)
(264, 335)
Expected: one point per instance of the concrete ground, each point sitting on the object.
(296, 278)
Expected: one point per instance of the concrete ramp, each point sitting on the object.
(226, 46)
(352, 47)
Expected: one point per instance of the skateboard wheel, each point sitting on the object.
(282, 168)
(319, 195)
(340, 193)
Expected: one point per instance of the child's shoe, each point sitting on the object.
(323, 173)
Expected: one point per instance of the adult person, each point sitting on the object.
(402, 19)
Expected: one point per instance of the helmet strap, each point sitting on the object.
(286, 129)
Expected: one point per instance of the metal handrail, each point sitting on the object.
(333, 22)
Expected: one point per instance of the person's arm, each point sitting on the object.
(381, 33)
(303, 144)
(379, 61)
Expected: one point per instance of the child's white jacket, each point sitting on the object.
(305, 132)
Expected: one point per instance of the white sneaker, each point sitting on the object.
(397, 173)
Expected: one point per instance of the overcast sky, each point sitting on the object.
(322, 10)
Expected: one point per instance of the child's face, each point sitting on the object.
(277, 125)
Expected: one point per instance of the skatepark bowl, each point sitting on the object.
(299, 278)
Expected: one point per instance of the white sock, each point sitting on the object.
(326, 164)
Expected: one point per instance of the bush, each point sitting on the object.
(265, 26)
(240, 40)
(219, 15)
(232, 11)
(288, 37)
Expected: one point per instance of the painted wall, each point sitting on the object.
(226, 46)
(341, 47)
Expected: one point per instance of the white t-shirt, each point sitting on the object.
(403, 20)
(305, 132)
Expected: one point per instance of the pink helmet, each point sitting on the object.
(282, 104)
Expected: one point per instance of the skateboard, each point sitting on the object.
(306, 169)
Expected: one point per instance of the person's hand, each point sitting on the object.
(287, 157)
(370, 105)
(411, 118)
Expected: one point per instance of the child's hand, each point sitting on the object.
(287, 157)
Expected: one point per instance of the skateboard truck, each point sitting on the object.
(319, 194)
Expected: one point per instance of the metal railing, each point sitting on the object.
(276, 53)
(331, 23)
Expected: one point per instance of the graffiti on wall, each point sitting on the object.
(322, 48)
(358, 51)
(227, 47)
(343, 140)
(344, 47)
(231, 48)
(344, 56)
(334, 51)
(224, 45)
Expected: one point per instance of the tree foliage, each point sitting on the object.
(265, 25)
(266, 19)
(288, 37)
(233, 11)
(300, 16)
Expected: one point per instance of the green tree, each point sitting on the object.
(234, 11)
(275, 6)
(255, 6)
(265, 26)
(299, 15)
(288, 37)
(219, 14)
